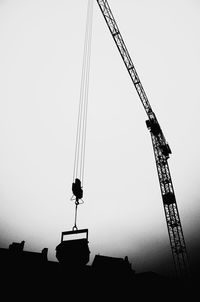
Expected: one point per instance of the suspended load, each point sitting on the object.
(73, 252)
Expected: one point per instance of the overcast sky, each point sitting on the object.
(40, 71)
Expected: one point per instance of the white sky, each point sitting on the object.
(40, 71)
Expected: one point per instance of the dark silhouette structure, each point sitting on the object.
(73, 253)
(107, 278)
(161, 149)
(77, 189)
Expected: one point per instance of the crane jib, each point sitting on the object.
(112, 25)
(161, 152)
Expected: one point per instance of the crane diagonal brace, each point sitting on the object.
(160, 147)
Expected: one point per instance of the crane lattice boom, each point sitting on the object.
(161, 151)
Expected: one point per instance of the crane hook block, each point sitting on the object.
(77, 189)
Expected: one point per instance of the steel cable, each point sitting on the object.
(79, 161)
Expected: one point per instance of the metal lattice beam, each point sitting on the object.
(161, 151)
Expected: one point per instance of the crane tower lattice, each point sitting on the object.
(161, 151)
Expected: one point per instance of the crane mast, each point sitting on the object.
(161, 151)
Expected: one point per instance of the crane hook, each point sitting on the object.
(78, 193)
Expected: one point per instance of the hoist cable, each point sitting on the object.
(78, 134)
(83, 99)
(86, 90)
(86, 87)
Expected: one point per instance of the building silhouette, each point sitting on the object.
(31, 274)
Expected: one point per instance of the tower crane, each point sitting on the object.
(161, 151)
